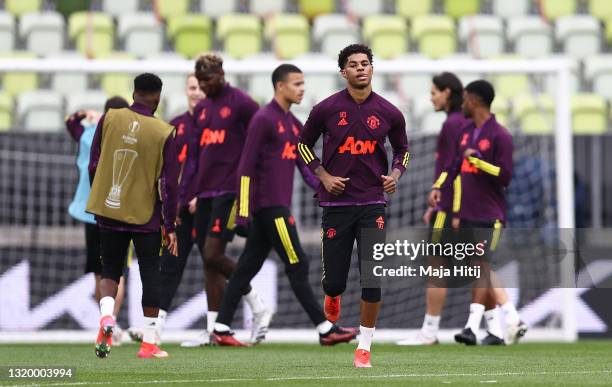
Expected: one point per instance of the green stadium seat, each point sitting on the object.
(6, 111)
(412, 8)
(93, 33)
(121, 84)
(435, 35)
(511, 85)
(16, 83)
(598, 71)
(191, 34)
(170, 8)
(554, 9)
(386, 35)
(119, 7)
(289, 34)
(507, 9)
(216, 8)
(266, 8)
(334, 32)
(19, 7)
(580, 35)
(41, 111)
(141, 33)
(361, 9)
(43, 32)
(7, 32)
(535, 114)
(601, 9)
(483, 35)
(459, 8)
(65, 82)
(312, 8)
(68, 7)
(240, 33)
(85, 100)
(501, 108)
(531, 36)
(589, 114)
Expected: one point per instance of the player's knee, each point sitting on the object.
(333, 289)
(371, 294)
(112, 270)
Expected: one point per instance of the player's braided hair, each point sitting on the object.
(208, 62)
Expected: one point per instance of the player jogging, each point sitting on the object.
(222, 119)
(355, 123)
(132, 164)
(266, 172)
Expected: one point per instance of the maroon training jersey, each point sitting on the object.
(222, 122)
(186, 140)
(354, 137)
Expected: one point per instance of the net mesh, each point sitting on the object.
(38, 178)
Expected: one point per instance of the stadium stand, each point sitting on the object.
(40, 110)
(386, 35)
(190, 33)
(240, 33)
(43, 32)
(141, 33)
(7, 32)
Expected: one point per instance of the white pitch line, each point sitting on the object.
(346, 377)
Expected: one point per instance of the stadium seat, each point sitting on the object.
(460, 8)
(501, 108)
(483, 34)
(266, 8)
(120, 84)
(260, 88)
(289, 34)
(428, 121)
(191, 34)
(14, 84)
(554, 9)
(175, 104)
(435, 35)
(386, 35)
(86, 100)
(312, 8)
(334, 32)
(511, 85)
(412, 8)
(93, 33)
(598, 71)
(579, 34)
(43, 32)
(361, 9)
(320, 86)
(170, 8)
(68, 83)
(589, 114)
(552, 81)
(172, 82)
(601, 9)
(19, 7)
(535, 114)
(240, 33)
(7, 32)
(141, 33)
(507, 9)
(6, 111)
(216, 8)
(68, 7)
(119, 7)
(531, 36)
(41, 110)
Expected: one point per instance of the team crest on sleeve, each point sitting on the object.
(281, 127)
(380, 222)
(373, 122)
(225, 112)
(484, 145)
(342, 120)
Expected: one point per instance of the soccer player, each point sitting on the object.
(222, 119)
(266, 172)
(133, 171)
(485, 169)
(81, 126)
(446, 96)
(172, 268)
(355, 123)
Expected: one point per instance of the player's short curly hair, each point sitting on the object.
(353, 49)
(208, 62)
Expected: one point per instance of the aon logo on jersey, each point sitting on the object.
(357, 147)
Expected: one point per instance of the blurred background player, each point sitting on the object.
(354, 180)
(172, 268)
(81, 126)
(446, 96)
(132, 164)
(222, 119)
(266, 171)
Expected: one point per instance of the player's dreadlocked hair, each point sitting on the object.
(353, 49)
(208, 62)
(450, 81)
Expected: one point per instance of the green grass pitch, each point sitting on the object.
(582, 364)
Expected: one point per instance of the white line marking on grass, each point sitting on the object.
(357, 375)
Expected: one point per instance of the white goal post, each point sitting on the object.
(558, 67)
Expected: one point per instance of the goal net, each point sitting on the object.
(43, 287)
